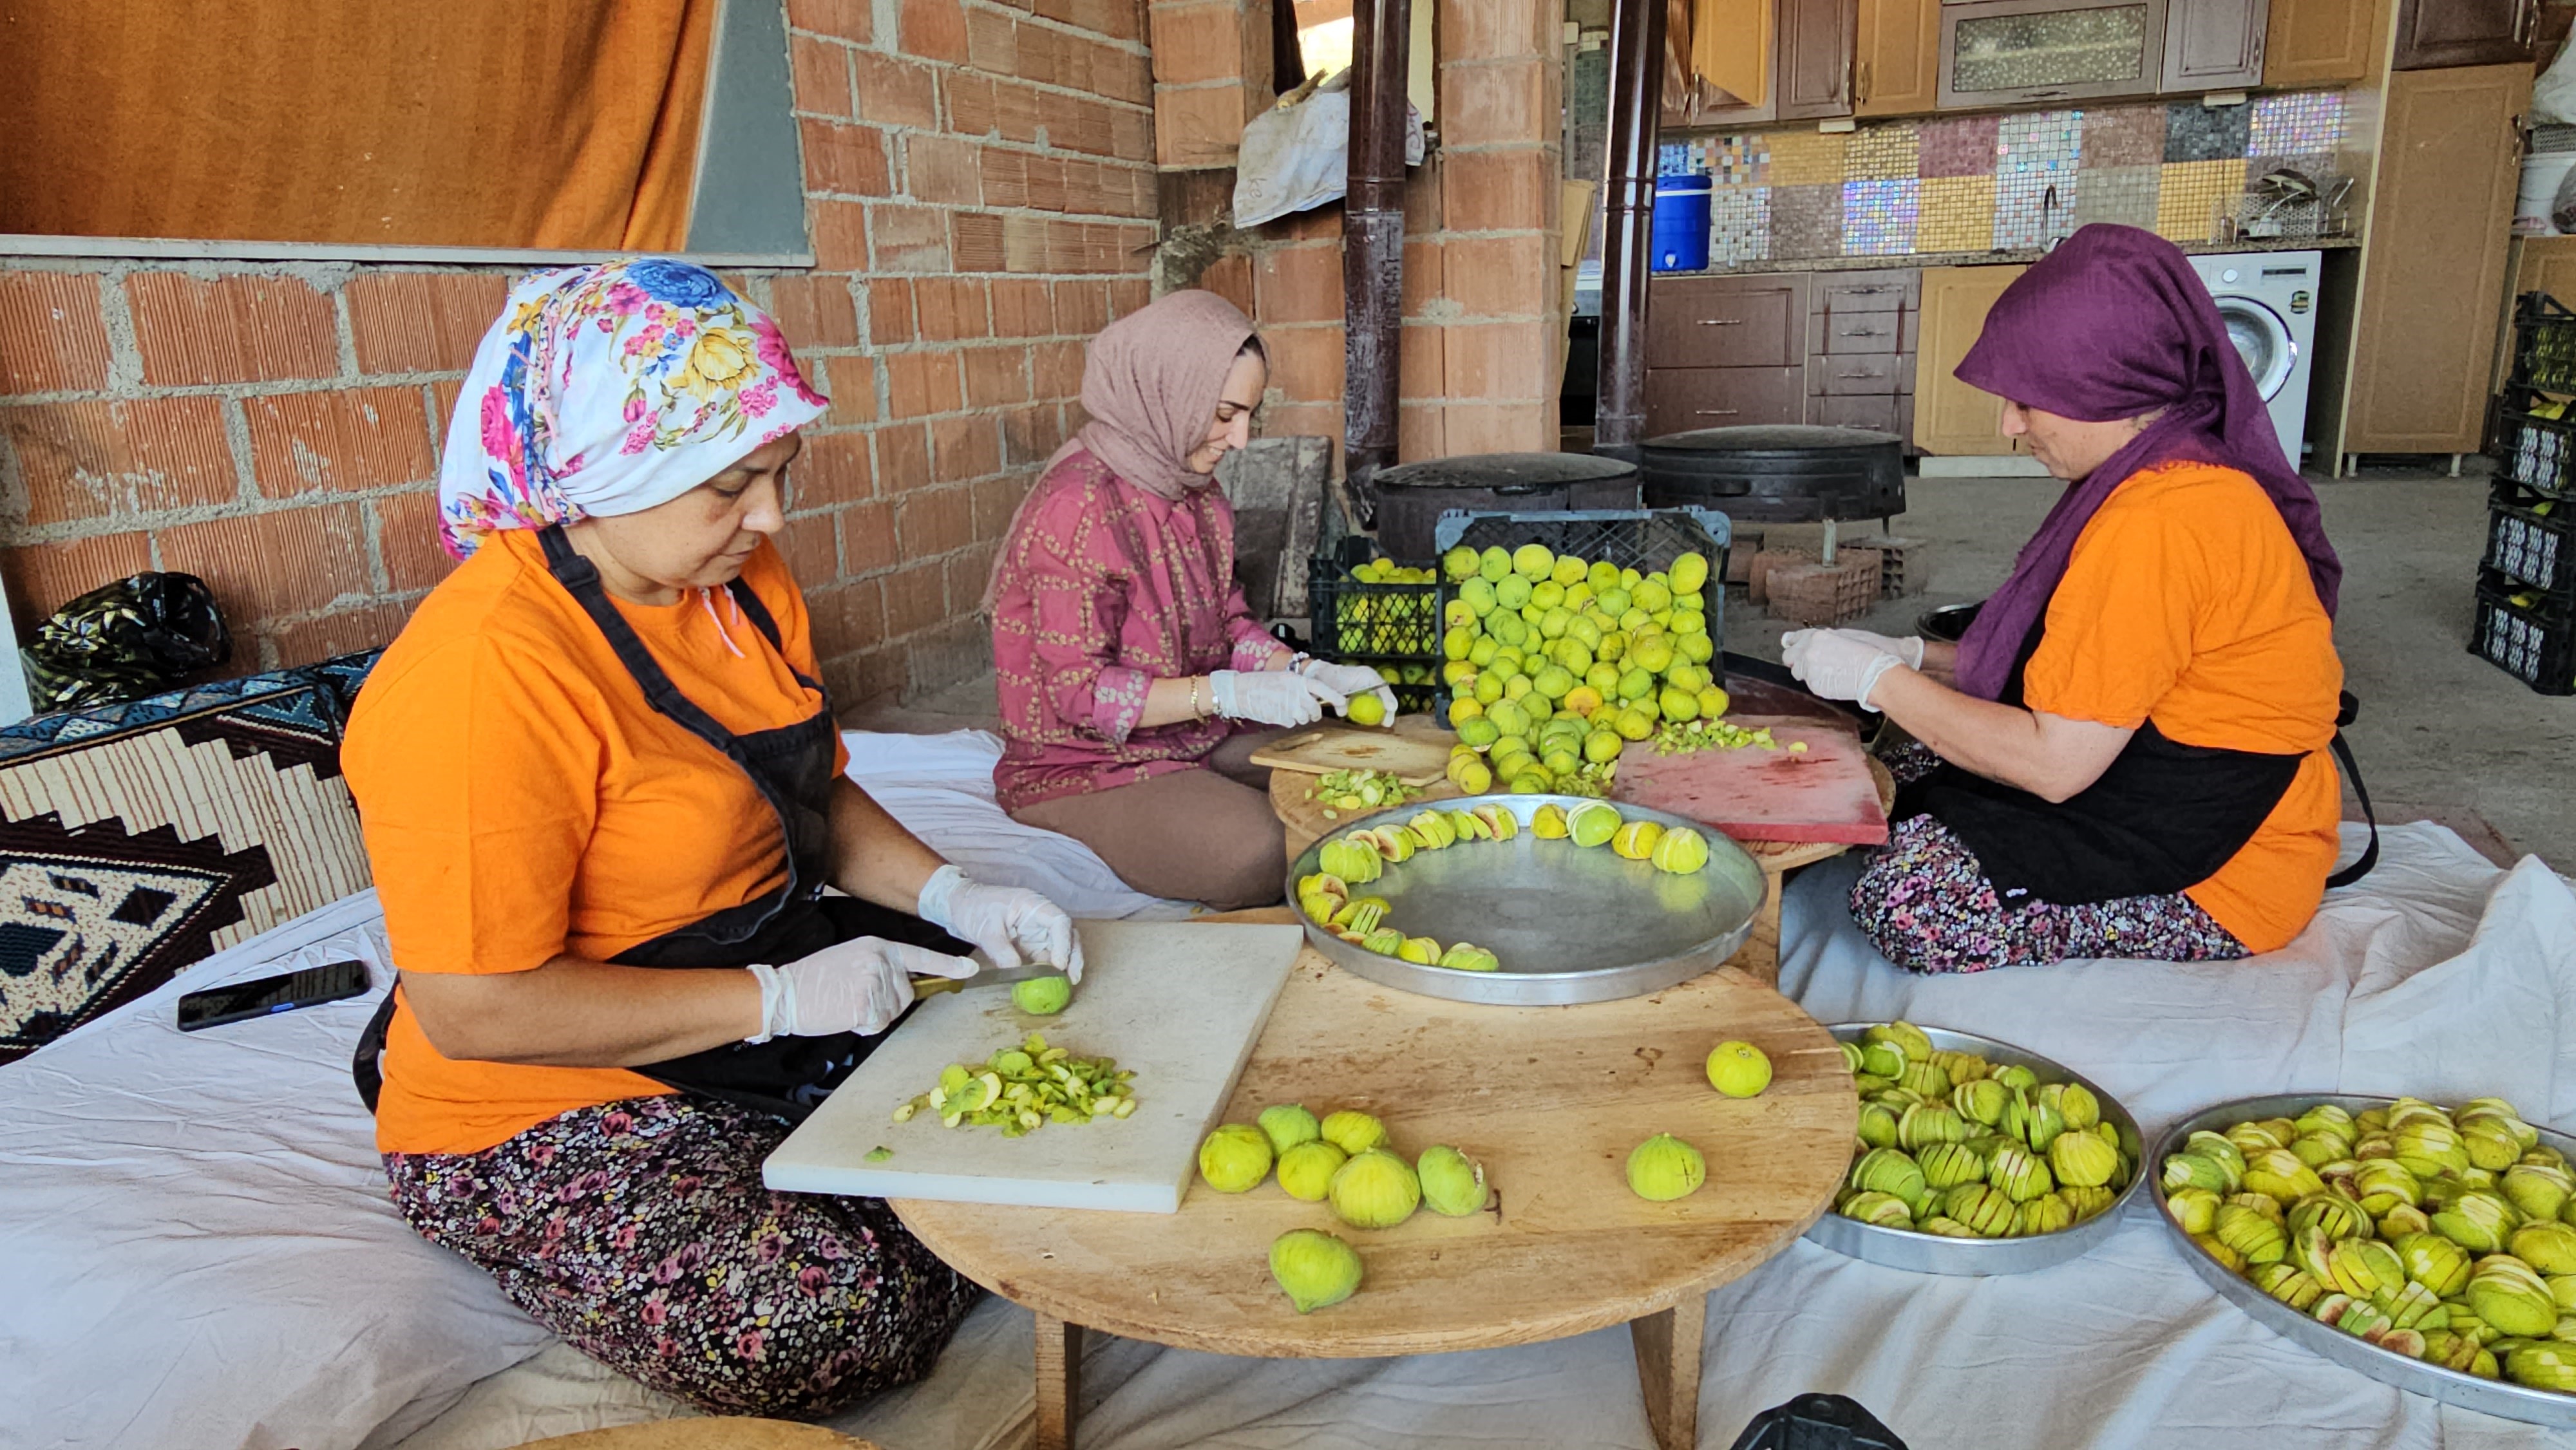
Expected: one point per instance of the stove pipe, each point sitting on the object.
(1627, 243)
(1373, 241)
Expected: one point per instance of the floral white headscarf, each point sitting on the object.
(608, 389)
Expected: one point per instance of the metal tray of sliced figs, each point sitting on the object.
(2450, 1386)
(1568, 923)
(1930, 1253)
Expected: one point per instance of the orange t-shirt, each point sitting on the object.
(521, 801)
(2188, 603)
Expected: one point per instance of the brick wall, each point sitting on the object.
(1482, 307)
(981, 191)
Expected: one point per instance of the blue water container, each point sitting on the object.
(1681, 223)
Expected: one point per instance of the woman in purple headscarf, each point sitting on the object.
(2132, 739)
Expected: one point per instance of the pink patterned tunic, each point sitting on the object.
(1105, 589)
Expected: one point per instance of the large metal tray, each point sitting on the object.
(2450, 1386)
(1570, 924)
(1903, 1248)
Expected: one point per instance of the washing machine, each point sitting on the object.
(2269, 303)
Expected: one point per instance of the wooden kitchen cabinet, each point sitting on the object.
(1949, 416)
(1722, 351)
(2433, 34)
(2214, 45)
(1896, 69)
(2319, 42)
(1745, 84)
(1815, 60)
(2424, 332)
(2021, 52)
(1681, 399)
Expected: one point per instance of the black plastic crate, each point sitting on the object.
(2544, 344)
(1642, 539)
(2530, 451)
(1383, 626)
(2522, 635)
(1817, 1422)
(2531, 541)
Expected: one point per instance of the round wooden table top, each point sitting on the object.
(1549, 1099)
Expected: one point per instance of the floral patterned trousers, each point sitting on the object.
(640, 1232)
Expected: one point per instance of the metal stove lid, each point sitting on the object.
(1505, 470)
(1772, 438)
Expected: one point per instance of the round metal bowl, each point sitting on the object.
(1903, 1248)
(1949, 622)
(1570, 924)
(2450, 1386)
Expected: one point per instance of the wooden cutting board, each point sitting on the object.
(1417, 754)
(1753, 794)
(1180, 1003)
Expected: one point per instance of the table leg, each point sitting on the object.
(1668, 1346)
(1059, 1365)
(1759, 957)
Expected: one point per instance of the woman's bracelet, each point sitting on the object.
(1195, 712)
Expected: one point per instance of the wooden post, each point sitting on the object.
(1759, 957)
(1059, 1387)
(1668, 1346)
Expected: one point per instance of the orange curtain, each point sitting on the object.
(478, 123)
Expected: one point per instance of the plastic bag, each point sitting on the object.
(135, 637)
(2553, 96)
(1297, 157)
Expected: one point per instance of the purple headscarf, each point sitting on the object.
(2115, 324)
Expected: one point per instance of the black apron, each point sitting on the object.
(2163, 817)
(792, 767)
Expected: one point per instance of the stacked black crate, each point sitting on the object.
(2526, 600)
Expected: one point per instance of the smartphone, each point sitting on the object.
(311, 987)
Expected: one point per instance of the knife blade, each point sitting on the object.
(985, 976)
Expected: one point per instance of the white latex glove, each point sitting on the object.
(1836, 664)
(1908, 649)
(1271, 697)
(1012, 925)
(1350, 682)
(860, 985)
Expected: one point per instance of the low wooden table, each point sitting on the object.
(1550, 1099)
(1759, 957)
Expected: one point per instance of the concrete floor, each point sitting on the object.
(2442, 733)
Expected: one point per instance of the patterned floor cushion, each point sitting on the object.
(136, 838)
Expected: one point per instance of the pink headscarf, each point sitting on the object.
(1151, 383)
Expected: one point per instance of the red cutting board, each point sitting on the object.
(1753, 794)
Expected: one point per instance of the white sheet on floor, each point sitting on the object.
(2438, 974)
(941, 788)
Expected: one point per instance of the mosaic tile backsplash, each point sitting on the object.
(1975, 183)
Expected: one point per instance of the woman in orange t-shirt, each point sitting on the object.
(2131, 742)
(603, 793)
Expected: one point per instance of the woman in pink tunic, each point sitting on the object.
(1135, 683)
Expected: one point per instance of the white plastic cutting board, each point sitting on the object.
(1181, 1004)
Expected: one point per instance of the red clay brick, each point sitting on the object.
(44, 577)
(922, 383)
(1197, 43)
(340, 632)
(852, 20)
(1117, 19)
(969, 570)
(840, 234)
(357, 439)
(1002, 108)
(896, 92)
(1422, 362)
(1131, 135)
(850, 160)
(965, 447)
(1031, 436)
(1494, 191)
(422, 322)
(814, 311)
(867, 538)
(978, 242)
(1022, 308)
(992, 42)
(1081, 308)
(407, 540)
(1127, 294)
(1421, 431)
(1120, 75)
(1306, 362)
(950, 308)
(234, 329)
(96, 460)
(1500, 360)
(1087, 126)
(1231, 279)
(853, 389)
(1055, 369)
(910, 238)
(996, 376)
(970, 103)
(821, 80)
(943, 170)
(1302, 420)
(827, 606)
(996, 500)
(1299, 283)
(1494, 102)
(442, 406)
(916, 598)
(831, 469)
(51, 337)
(810, 546)
(1500, 427)
(903, 457)
(1006, 177)
(1495, 29)
(890, 321)
(1510, 276)
(934, 29)
(268, 565)
(854, 680)
(1425, 276)
(934, 521)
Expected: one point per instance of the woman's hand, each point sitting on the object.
(1010, 924)
(860, 985)
(1350, 682)
(1839, 664)
(1271, 697)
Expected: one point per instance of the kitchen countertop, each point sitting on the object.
(1996, 258)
